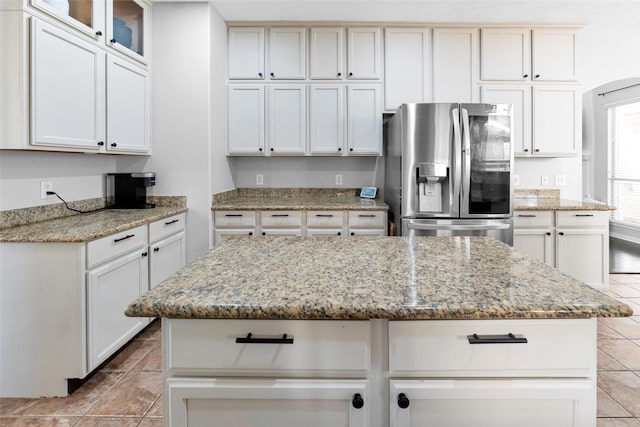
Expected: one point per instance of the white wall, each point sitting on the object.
(180, 61)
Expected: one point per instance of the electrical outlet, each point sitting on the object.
(259, 179)
(544, 180)
(338, 179)
(560, 180)
(516, 180)
(44, 187)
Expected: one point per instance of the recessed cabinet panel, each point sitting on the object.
(455, 64)
(128, 111)
(287, 59)
(554, 54)
(327, 53)
(246, 53)
(364, 53)
(556, 123)
(583, 254)
(505, 54)
(326, 119)
(165, 258)
(287, 119)
(364, 113)
(406, 66)
(245, 119)
(520, 97)
(538, 244)
(67, 89)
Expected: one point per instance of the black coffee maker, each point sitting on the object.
(129, 190)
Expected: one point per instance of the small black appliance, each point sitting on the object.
(129, 190)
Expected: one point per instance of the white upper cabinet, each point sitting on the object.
(520, 97)
(455, 64)
(67, 92)
(128, 109)
(287, 48)
(364, 53)
(364, 115)
(327, 53)
(545, 54)
(87, 16)
(287, 119)
(245, 53)
(505, 54)
(326, 119)
(554, 54)
(407, 66)
(556, 120)
(245, 120)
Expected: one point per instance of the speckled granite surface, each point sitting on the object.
(371, 277)
(90, 226)
(543, 199)
(294, 199)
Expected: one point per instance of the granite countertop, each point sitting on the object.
(535, 203)
(87, 227)
(325, 277)
(295, 199)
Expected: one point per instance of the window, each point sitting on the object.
(623, 176)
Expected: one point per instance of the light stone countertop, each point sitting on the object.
(326, 277)
(554, 204)
(87, 227)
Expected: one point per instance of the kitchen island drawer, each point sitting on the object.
(114, 245)
(553, 347)
(166, 227)
(285, 219)
(582, 219)
(234, 219)
(236, 347)
(325, 219)
(533, 219)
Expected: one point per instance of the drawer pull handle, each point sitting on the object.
(496, 339)
(273, 215)
(526, 216)
(358, 401)
(324, 215)
(584, 214)
(366, 216)
(249, 339)
(171, 222)
(128, 236)
(403, 401)
(232, 214)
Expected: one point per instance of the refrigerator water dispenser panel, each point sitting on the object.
(430, 176)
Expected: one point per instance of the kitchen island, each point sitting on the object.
(376, 331)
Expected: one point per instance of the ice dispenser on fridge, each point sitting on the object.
(430, 177)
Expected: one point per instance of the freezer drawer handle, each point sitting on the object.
(171, 222)
(458, 227)
(584, 214)
(128, 236)
(249, 339)
(496, 339)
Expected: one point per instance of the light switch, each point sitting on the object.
(544, 180)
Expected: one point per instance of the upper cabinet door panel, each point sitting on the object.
(245, 120)
(556, 120)
(406, 66)
(128, 28)
(455, 64)
(246, 53)
(287, 119)
(87, 16)
(327, 53)
(505, 54)
(520, 97)
(287, 59)
(554, 54)
(67, 90)
(364, 113)
(326, 119)
(364, 54)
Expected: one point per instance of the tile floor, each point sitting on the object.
(126, 392)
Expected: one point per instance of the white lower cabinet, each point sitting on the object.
(493, 403)
(167, 248)
(221, 402)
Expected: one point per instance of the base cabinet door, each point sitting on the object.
(216, 402)
(584, 254)
(166, 257)
(495, 403)
(537, 244)
(110, 289)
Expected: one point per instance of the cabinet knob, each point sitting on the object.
(272, 75)
(156, 249)
(259, 74)
(264, 234)
(271, 148)
(339, 148)
(113, 40)
(525, 76)
(260, 149)
(526, 150)
(561, 233)
(350, 149)
(113, 144)
(537, 150)
(403, 401)
(98, 33)
(251, 233)
(548, 233)
(339, 233)
(144, 254)
(339, 74)
(353, 234)
(100, 143)
(350, 74)
(537, 76)
(358, 401)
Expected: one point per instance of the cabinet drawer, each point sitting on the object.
(116, 244)
(285, 219)
(533, 219)
(366, 219)
(234, 219)
(562, 348)
(319, 347)
(325, 219)
(582, 219)
(166, 227)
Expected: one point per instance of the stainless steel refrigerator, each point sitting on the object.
(449, 170)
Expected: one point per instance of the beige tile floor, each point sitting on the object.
(126, 392)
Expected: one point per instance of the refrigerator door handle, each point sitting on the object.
(455, 175)
(466, 164)
(461, 227)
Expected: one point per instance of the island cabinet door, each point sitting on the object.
(494, 403)
(193, 402)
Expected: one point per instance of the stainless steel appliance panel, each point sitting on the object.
(499, 229)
